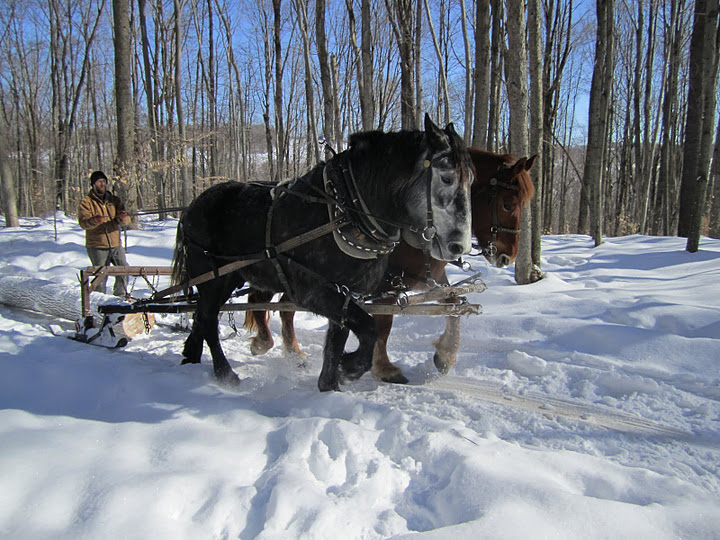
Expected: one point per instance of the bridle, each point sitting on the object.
(495, 227)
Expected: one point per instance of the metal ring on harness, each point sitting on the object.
(429, 232)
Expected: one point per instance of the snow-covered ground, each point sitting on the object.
(583, 406)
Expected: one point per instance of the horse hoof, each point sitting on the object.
(296, 353)
(189, 361)
(258, 347)
(395, 378)
(442, 366)
(325, 386)
(229, 380)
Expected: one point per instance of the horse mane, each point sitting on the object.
(378, 150)
(375, 144)
(526, 187)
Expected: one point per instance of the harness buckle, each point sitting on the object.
(429, 233)
(271, 252)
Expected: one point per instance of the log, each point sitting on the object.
(64, 302)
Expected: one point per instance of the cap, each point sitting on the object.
(96, 176)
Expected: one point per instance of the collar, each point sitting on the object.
(363, 237)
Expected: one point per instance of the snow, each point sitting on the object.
(583, 406)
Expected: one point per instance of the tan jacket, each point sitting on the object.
(107, 234)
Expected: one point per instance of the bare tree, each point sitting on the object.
(278, 99)
(445, 103)
(186, 186)
(7, 190)
(67, 85)
(697, 150)
(482, 74)
(313, 153)
(124, 161)
(400, 13)
(536, 130)
(598, 115)
(516, 68)
(328, 100)
(151, 110)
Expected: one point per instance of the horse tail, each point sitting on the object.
(251, 320)
(250, 325)
(179, 260)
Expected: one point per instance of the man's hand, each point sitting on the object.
(120, 217)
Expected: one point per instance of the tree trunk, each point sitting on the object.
(692, 147)
(325, 76)
(152, 117)
(482, 75)
(367, 99)
(279, 122)
(715, 192)
(186, 186)
(708, 18)
(598, 124)
(441, 66)
(467, 130)
(401, 17)
(496, 59)
(7, 190)
(536, 131)
(125, 110)
(313, 156)
(517, 74)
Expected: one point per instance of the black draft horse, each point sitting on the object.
(409, 184)
(501, 189)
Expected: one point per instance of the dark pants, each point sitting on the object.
(106, 257)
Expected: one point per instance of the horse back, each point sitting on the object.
(228, 219)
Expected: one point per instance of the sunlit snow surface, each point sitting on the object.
(583, 406)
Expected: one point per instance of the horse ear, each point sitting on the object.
(519, 166)
(450, 129)
(530, 161)
(435, 136)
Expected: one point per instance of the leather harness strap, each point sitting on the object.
(287, 245)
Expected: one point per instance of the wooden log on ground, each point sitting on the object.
(64, 302)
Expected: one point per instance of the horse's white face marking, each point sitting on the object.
(449, 202)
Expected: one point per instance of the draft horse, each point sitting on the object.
(324, 238)
(501, 189)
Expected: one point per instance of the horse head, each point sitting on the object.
(502, 188)
(440, 209)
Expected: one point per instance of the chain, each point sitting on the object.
(231, 321)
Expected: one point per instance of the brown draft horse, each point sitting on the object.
(501, 189)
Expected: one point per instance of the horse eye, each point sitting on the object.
(448, 179)
(508, 207)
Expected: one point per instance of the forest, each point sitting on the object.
(617, 97)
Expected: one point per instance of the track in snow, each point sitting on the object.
(556, 407)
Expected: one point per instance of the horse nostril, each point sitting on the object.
(455, 248)
(503, 261)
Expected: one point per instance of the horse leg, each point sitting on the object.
(358, 362)
(192, 351)
(447, 345)
(339, 365)
(210, 299)
(382, 369)
(263, 340)
(335, 339)
(290, 344)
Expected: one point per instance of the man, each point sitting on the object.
(102, 214)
